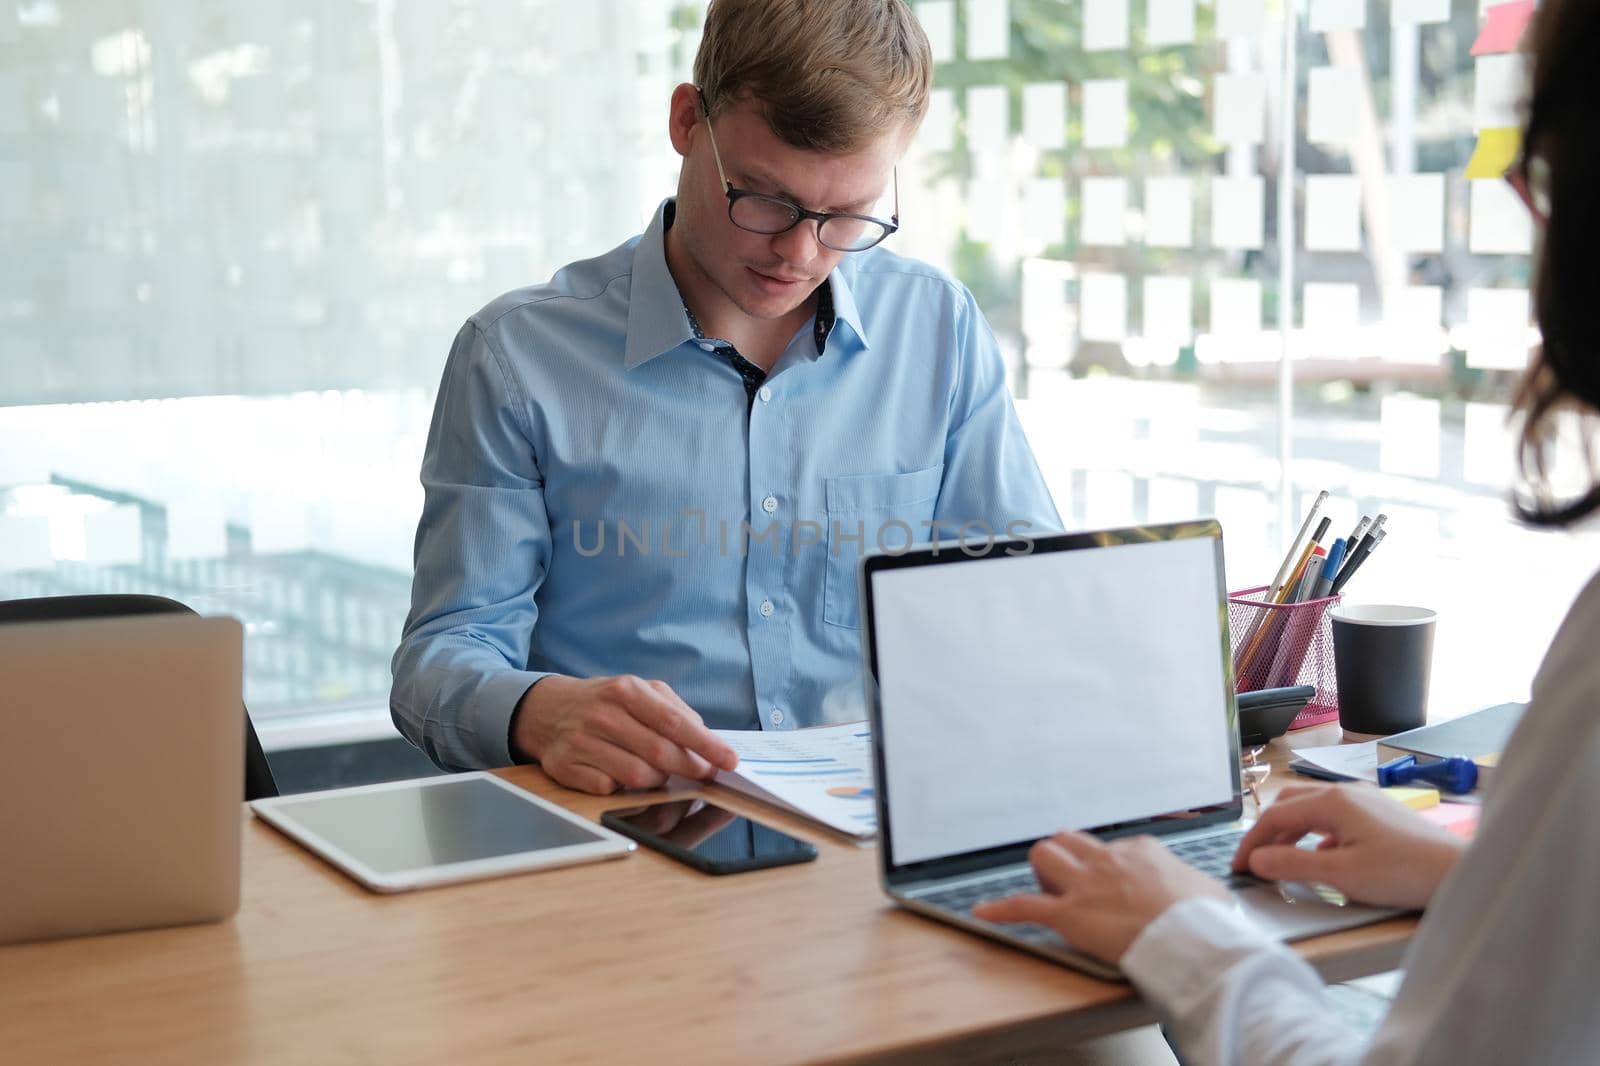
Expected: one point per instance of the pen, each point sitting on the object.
(1330, 570)
(1355, 535)
(1368, 543)
(1300, 567)
(1312, 579)
(1290, 559)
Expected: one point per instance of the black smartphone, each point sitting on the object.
(712, 839)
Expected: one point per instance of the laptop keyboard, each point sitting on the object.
(1210, 854)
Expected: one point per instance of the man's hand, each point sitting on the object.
(605, 733)
(1373, 850)
(1100, 896)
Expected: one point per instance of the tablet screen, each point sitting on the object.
(427, 825)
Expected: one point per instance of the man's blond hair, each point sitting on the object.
(828, 75)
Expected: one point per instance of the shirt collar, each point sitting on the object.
(656, 319)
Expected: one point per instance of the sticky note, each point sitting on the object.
(1497, 150)
(1416, 212)
(1169, 212)
(1238, 208)
(1333, 213)
(1169, 22)
(987, 119)
(1418, 799)
(1105, 25)
(1103, 307)
(1408, 436)
(1168, 310)
(1235, 307)
(1500, 82)
(1044, 303)
(937, 132)
(988, 201)
(1105, 113)
(1503, 26)
(988, 29)
(1333, 105)
(1044, 114)
(1497, 329)
(1104, 211)
(1239, 109)
(1330, 311)
(1044, 213)
(1240, 18)
(938, 18)
(1330, 15)
(1419, 12)
(1500, 223)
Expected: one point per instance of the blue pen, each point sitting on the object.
(1330, 570)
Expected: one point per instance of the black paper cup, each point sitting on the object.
(1382, 657)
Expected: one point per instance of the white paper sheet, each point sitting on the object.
(1497, 329)
(1240, 18)
(1105, 25)
(1044, 214)
(987, 119)
(1500, 82)
(1169, 22)
(988, 29)
(1239, 109)
(1103, 307)
(1235, 307)
(1330, 15)
(1333, 113)
(1419, 12)
(1104, 211)
(1044, 114)
(938, 18)
(1105, 113)
(1169, 212)
(1416, 212)
(1359, 761)
(1330, 312)
(824, 774)
(938, 131)
(1238, 207)
(1168, 310)
(1501, 223)
(1333, 213)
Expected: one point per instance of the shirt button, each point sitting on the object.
(707, 346)
(766, 608)
(765, 394)
(769, 504)
(776, 717)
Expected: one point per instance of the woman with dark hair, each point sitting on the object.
(1505, 967)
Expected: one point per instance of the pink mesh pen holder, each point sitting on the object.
(1276, 645)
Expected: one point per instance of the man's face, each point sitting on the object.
(767, 276)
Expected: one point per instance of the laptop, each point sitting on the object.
(1079, 681)
(120, 799)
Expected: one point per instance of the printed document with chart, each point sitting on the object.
(824, 773)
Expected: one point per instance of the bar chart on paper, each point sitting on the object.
(824, 774)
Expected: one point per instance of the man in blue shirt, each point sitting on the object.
(649, 480)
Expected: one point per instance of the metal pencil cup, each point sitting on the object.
(1276, 645)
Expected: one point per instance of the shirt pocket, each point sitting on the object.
(862, 510)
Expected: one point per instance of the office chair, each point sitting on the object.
(258, 782)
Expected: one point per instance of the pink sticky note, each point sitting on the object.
(1502, 28)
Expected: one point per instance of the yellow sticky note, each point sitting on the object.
(1417, 799)
(1497, 150)
(1490, 760)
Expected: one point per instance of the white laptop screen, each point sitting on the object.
(1064, 689)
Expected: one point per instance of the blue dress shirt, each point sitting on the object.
(601, 497)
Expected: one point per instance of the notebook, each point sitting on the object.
(1079, 681)
(1479, 736)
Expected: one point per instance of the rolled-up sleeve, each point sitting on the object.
(482, 550)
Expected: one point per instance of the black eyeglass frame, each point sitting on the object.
(798, 214)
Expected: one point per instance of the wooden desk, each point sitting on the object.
(637, 959)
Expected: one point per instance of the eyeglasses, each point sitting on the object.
(1253, 773)
(1530, 177)
(771, 215)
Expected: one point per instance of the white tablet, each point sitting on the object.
(415, 834)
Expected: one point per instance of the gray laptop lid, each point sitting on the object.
(120, 801)
(1079, 681)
